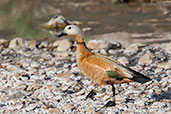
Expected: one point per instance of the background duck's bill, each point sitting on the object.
(62, 34)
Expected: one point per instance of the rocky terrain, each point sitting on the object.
(43, 78)
(149, 19)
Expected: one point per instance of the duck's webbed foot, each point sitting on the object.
(91, 94)
(110, 104)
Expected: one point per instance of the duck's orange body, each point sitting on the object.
(101, 69)
(94, 66)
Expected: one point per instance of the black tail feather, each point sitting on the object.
(138, 77)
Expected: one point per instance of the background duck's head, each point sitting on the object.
(56, 23)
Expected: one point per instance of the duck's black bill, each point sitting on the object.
(62, 34)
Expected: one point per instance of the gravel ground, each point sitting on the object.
(39, 78)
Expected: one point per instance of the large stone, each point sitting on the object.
(56, 44)
(4, 42)
(43, 44)
(35, 65)
(168, 72)
(32, 44)
(17, 43)
(54, 111)
(132, 49)
(66, 74)
(165, 65)
(166, 46)
(16, 95)
(123, 60)
(67, 106)
(103, 51)
(158, 70)
(146, 59)
(61, 54)
(11, 68)
(123, 37)
(98, 44)
(64, 45)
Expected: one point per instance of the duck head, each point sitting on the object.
(72, 30)
(57, 23)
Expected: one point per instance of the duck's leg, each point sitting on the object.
(111, 103)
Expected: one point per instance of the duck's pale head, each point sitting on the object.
(71, 30)
(57, 22)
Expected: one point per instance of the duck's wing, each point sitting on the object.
(129, 73)
(116, 70)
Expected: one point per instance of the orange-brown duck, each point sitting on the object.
(99, 68)
(57, 23)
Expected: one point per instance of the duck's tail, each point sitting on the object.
(138, 77)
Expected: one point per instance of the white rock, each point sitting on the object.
(64, 45)
(56, 43)
(165, 65)
(4, 42)
(67, 106)
(32, 44)
(123, 37)
(111, 51)
(158, 70)
(61, 54)
(66, 65)
(132, 49)
(11, 68)
(146, 59)
(140, 103)
(123, 60)
(166, 46)
(103, 51)
(17, 43)
(86, 29)
(132, 92)
(75, 69)
(74, 65)
(98, 44)
(35, 65)
(19, 106)
(43, 44)
(25, 64)
(168, 72)
(17, 95)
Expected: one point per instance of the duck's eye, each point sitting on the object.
(69, 27)
(55, 16)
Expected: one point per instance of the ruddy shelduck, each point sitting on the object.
(99, 68)
(56, 24)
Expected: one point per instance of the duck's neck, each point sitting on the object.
(82, 50)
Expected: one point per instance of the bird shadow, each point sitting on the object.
(158, 97)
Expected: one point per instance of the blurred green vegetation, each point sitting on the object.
(20, 23)
(25, 28)
(87, 37)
